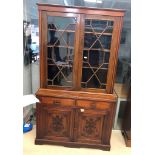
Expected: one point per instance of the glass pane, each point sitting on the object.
(105, 41)
(60, 50)
(96, 53)
(93, 25)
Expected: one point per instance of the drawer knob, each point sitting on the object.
(82, 110)
(56, 103)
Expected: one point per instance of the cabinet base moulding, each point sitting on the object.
(73, 144)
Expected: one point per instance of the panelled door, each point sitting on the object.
(55, 123)
(90, 126)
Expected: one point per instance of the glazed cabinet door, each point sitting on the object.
(58, 49)
(91, 126)
(54, 123)
(98, 52)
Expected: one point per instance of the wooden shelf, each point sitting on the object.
(67, 60)
(99, 64)
(110, 28)
(61, 30)
(71, 47)
(106, 33)
(96, 68)
(63, 65)
(58, 85)
(87, 49)
(97, 49)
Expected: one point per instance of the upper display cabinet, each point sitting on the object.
(79, 47)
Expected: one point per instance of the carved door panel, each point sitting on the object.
(58, 123)
(90, 126)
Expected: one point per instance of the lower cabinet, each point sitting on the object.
(80, 124)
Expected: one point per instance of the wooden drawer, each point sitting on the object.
(57, 101)
(93, 104)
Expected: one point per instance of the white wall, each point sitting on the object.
(31, 78)
(35, 77)
(27, 80)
